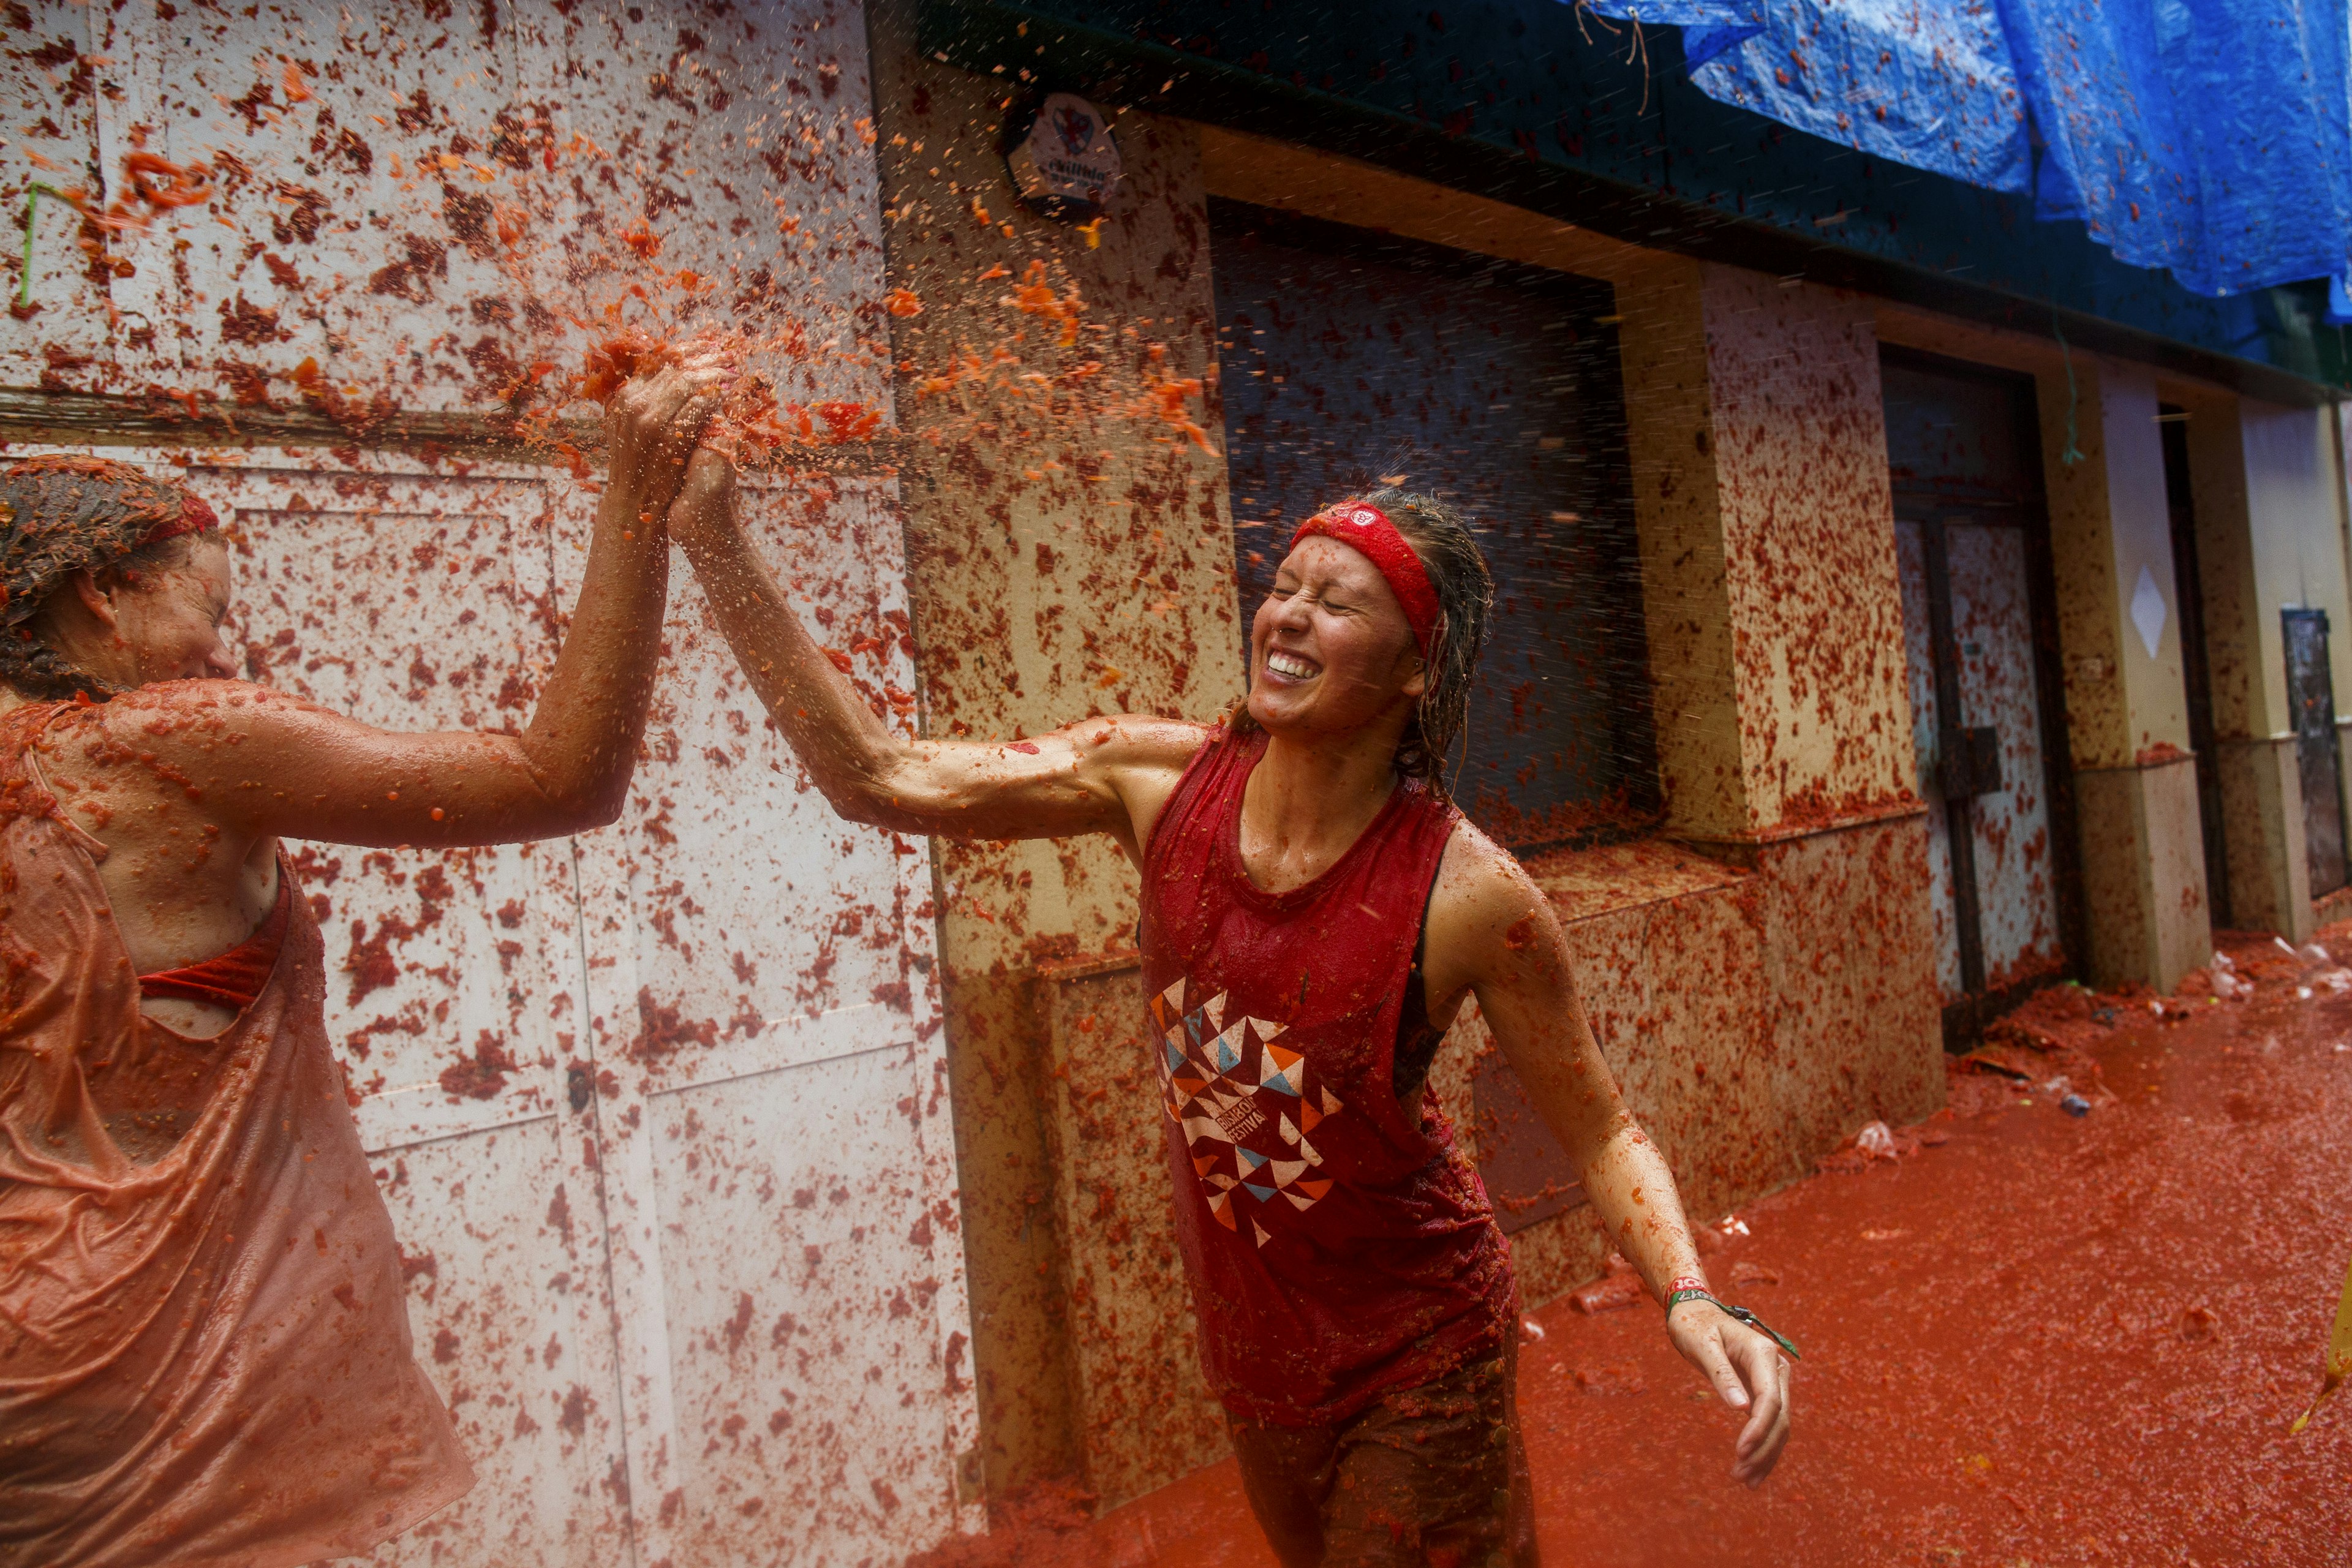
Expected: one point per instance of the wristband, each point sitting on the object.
(1676, 1298)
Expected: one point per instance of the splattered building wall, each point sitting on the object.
(771, 1187)
(1750, 833)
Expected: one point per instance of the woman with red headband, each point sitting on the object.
(205, 1355)
(1315, 913)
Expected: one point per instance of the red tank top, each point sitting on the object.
(1336, 1250)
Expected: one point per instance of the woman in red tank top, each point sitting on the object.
(1315, 913)
(204, 1353)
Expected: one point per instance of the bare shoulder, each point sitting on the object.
(199, 714)
(1136, 760)
(183, 739)
(1484, 911)
(1481, 886)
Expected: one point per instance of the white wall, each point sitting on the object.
(686, 1262)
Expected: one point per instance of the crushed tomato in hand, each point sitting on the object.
(751, 422)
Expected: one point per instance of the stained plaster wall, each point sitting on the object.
(2128, 718)
(1072, 556)
(2267, 490)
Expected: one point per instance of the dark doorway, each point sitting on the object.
(1979, 625)
(2189, 593)
(1345, 356)
(2311, 698)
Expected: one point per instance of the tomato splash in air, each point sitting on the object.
(751, 422)
(1035, 296)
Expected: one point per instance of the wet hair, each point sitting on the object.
(60, 515)
(1441, 536)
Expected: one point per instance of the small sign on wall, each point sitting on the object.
(1065, 164)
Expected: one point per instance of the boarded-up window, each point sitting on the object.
(1347, 357)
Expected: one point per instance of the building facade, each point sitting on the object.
(1900, 606)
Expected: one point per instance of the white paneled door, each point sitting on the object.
(660, 1112)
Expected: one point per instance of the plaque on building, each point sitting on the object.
(1067, 162)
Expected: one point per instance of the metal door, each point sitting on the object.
(2311, 698)
(778, 1158)
(1976, 722)
(1987, 726)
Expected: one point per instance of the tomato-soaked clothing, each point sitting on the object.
(205, 1356)
(1433, 1477)
(1336, 1251)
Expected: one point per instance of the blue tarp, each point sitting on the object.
(2211, 138)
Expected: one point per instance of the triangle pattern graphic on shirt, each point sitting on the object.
(1283, 1071)
(1245, 1106)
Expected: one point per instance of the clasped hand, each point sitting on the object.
(651, 427)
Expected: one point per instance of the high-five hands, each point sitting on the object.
(651, 427)
(704, 510)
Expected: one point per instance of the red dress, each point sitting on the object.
(1336, 1252)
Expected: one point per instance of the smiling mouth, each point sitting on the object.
(1290, 667)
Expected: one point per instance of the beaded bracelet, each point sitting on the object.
(1680, 1291)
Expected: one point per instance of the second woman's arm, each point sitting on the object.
(1099, 776)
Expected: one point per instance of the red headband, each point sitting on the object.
(1366, 527)
(195, 517)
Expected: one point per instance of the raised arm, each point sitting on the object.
(1493, 933)
(1100, 776)
(255, 763)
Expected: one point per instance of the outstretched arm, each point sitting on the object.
(255, 763)
(1101, 776)
(1492, 931)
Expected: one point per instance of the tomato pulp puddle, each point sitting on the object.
(2046, 1340)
